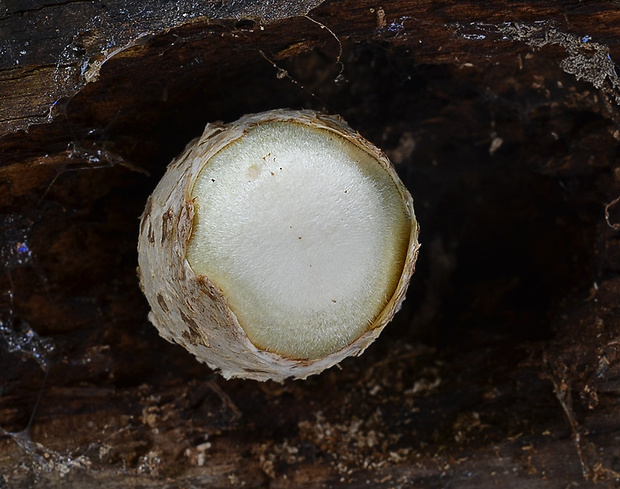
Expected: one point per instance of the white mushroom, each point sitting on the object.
(277, 245)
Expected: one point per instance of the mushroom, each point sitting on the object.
(277, 245)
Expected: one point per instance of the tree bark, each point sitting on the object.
(502, 120)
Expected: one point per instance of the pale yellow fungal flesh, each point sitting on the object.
(304, 232)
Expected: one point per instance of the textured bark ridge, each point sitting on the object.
(501, 368)
(190, 310)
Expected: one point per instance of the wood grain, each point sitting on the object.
(500, 370)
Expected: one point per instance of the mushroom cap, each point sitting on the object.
(228, 237)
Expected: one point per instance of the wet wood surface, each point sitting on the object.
(502, 367)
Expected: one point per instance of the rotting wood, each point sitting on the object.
(501, 368)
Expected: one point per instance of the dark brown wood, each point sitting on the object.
(502, 119)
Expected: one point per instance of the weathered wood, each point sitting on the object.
(502, 367)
